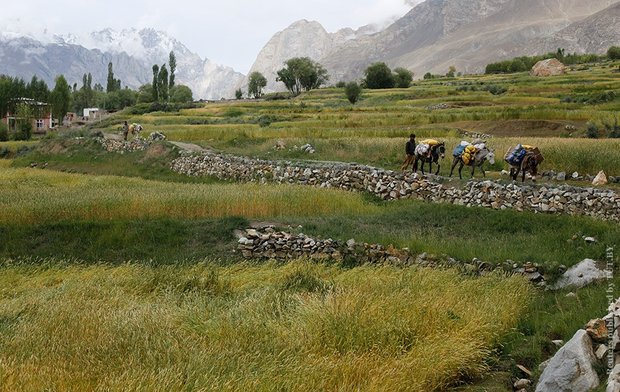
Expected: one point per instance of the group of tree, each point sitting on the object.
(163, 88)
(525, 63)
(380, 76)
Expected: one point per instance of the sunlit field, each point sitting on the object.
(296, 327)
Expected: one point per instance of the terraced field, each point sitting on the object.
(118, 274)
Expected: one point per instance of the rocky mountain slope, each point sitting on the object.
(468, 34)
(133, 52)
(301, 39)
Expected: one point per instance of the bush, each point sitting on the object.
(592, 131)
(353, 92)
(495, 89)
(4, 132)
(238, 94)
(24, 132)
(341, 84)
(378, 76)
(613, 53)
(264, 121)
(403, 77)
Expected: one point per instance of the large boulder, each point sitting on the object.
(549, 67)
(570, 369)
(580, 275)
(600, 179)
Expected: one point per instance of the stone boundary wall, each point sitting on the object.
(391, 185)
(267, 243)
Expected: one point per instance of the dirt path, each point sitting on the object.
(189, 147)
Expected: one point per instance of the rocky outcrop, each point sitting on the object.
(549, 67)
(391, 185)
(580, 275)
(571, 367)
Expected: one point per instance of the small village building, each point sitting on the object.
(91, 114)
(40, 115)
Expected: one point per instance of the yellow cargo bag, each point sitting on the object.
(471, 149)
(466, 157)
(430, 142)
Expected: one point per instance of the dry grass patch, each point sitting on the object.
(30, 196)
(294, 327)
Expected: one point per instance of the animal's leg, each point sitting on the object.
(455, 161)
(473, 169)
(484, 174)
(460, 170)
(438, 167)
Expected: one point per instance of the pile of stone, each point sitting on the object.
(271, 244)
(439, 106)
(136, 144)
(474, 135)
(572, 368)
(122, 146)
(391, 185)
(307, 148)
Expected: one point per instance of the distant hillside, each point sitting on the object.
(465, 33)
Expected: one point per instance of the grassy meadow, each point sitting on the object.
(118, 274)
(296, 327)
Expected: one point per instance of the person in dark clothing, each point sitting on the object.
(125, 130)
(410, 151)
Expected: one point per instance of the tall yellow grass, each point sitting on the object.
(294, 327)
(29, 196)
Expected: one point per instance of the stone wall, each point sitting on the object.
(267, 243)
(390, 185)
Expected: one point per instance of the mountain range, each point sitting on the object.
(132, 53)
(431, 37)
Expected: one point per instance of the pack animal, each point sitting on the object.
(430, 153)
(476, 161)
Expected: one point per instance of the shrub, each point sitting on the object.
(24, 132)
(592, 131)
(614, 53)
(495, 89)
(341, 84)
(403, 77)
(264, 121)
(353, 92)
(238, 94)
(4, 132)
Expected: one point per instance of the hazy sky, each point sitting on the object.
(229, 32)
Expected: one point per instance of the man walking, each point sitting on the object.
(410, 151)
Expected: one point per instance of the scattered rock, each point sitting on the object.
(600, 179)
(590, 240)
(561, 176)
(601, 351)
(575, 175)
(522, 383)
(156, 137)
(558, 343)
(580, 275)
(571, 367)
(525, 370)
(597, 330)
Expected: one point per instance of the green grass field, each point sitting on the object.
(118, 274)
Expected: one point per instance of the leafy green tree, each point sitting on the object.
(379, 75)
(403, 77)
(428, 76)
(302, 73)
(172, 63)
(451, 71)
(155, 83)
(37, 89)
(353, 92)
(256, 83)
(613, 53)
(239, 93)
(60, 98)
(111, 85)
(145, 93)
(181, 94)
(26, 114)
(162, 83)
